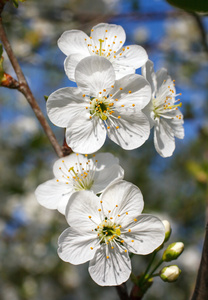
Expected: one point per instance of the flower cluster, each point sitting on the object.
(102, 210)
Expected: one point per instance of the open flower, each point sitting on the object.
(106, 40)
(162, 110)
(103, 230)
(100, 104)
(76, 173)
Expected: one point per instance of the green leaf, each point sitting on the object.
(190, 5)
(15, 3)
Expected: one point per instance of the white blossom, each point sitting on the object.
(106, 40)
(162, 110)
(103, 230)
(76, 173)
(99, 105)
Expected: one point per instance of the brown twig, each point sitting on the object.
(202, 30)
(25, 90)
(201, 288)
(122, 292)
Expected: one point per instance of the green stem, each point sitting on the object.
(157, 265)
(156, 274)
(148, 267)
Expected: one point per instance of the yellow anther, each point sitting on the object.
(117, 127)
(90, 117)
(104, 90)
(92, 30)
(111, 218)
(112, 247)
(91, 248)
(123, 49)
(125, 250)
(111, 96)
(115, 36)
(120, 54)
(59, 168)
(116, 205)
(99, 93)
(119, 215)
(106, 30)
(101, 201)
(135, 220)
(107, 257)
(62, 160)
(99, 209)
(129, 230)
(132, 241)
(90, 37)
(86, 107)
(108, 127)
(121, 42)
(129, 92)
(128, 48)
(122, 241)
(112, 86)
(122, 105)
(127, 213)
(121, 88)
(67, 183)
(133, 105)
(109, 211)
(106, 38)
(119, 117)
(57, 180)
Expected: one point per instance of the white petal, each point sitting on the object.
(177, 125)
(164, 140)
(93, 74)
(127, 197)
(82, 205)
(75, 245)
(131, 89)
(85, 135)
(133, 56)
(122, 71)
(104, 160)
(105, 177)
(70, 64)
(112, 271)
(61, 166)
(65, 104)
(53, 195)
(113, 35)
(133, 131)
(149, 74)
(147, 233)
(73, 41)
(165, 85)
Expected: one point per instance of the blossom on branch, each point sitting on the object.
(106, 40)
(103, 230)
(99, 105)
(76, 173)
(162, 111)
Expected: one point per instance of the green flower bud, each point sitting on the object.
(173, 251)
(170, 273)
(167, 230)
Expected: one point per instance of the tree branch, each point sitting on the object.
(122, 291)
(201, 288)
(25, 90)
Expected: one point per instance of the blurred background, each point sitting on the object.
(174, 188)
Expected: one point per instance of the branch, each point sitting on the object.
(25, 90)
(122, 292)
(202, 30)
(201, 288)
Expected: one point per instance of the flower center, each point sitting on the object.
(108, 231)
(101, 107)
(81, 181)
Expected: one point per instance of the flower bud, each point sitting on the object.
(167, 230)
(170, 273)
(173, 251)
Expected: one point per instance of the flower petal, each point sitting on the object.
(53, 195)
(164, 140)
(149, 74)
(113, 35)
(74, 41)
(75, 245)
(85, 135)
(65, 104)
(130, 131)
(82, 210)
(124, 200)
(177, 125)
(62, 166)
(146, 234)
(131, 90)
(71, 62)
(112, 271)
(133, 56)
(94, 74)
